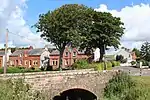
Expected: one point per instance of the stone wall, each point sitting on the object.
(57, 82)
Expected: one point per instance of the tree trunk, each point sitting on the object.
(61, 59)
(102, 52)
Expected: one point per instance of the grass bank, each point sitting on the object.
(125, 87)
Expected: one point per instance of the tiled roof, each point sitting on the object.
(2, 53)
(36, 51)
(17, 52)
(55, 52)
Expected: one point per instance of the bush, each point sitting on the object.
(124, 60)
(17, 90)
(144, 62)
(133, 62)
(80, 64)
(109, 65)
(122, 87)
(19, 70)
(99, 66)
(115, 63)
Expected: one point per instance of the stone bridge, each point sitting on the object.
(61, 84)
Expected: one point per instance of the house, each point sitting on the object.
(2, 57)
(29, 57)
(69, 57)
(126, 53)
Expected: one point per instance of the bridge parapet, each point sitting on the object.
(56, 82)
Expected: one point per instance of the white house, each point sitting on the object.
(126, 53)
(2, 57)
(96, 54)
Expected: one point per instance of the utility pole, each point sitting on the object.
(6, 46)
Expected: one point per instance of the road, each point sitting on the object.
(134, 71)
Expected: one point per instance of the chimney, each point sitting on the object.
(31, 47)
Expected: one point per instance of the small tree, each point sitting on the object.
(65, 25)
(145, 51)
(137, 52)
(119, 58)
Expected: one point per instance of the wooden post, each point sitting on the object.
(6, 46)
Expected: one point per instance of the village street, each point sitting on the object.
(134, 71)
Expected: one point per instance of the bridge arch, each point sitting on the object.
(76, 94)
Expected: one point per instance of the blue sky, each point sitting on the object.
(36, 7)
(19, 15)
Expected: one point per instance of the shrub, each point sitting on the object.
(99, 66)
(80, 64)
(122, 87)
(133, 62)
(109, 65)
(124, 60)
(19, 70)
(117, 63)
(17, 90)
(119, 57)
(144, 62)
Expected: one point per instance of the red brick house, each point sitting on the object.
(28, 57)
(69, 57)
(35, 57)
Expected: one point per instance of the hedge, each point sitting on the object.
(19, 70)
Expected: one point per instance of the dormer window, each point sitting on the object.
(74, 54)
(66, 54)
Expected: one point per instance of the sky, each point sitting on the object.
(19, 15)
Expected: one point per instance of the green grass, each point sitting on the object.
(144, 84)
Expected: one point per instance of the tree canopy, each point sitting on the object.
(64, 25)
(145, 51)
(137, 52)
(106, 31)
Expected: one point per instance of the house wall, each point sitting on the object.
(28, 61)
(1, 61)
(68, 58)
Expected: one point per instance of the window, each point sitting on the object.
(55, 62)
(74, 54)
(26, 62)
(66, 53)
(66, 62)
(129, 55)
(36, 62)
(11, 62)
(20, 62)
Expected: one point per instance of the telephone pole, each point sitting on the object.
(6, 46)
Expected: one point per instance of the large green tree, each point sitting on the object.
(145, 51)
(64, 25)
(106, 32)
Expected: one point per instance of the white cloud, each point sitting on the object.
(12, 17)
(137, 23)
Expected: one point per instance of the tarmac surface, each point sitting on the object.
(134, 71)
